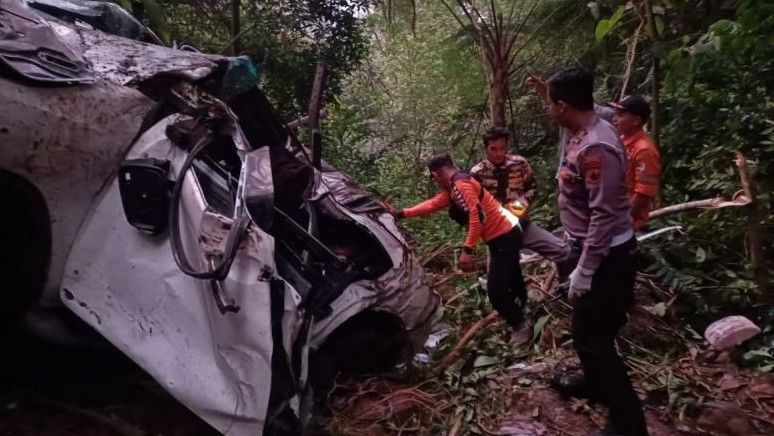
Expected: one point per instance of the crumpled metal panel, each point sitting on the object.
(403, 290)
(67, 142)
(31, 48)
(127, 286)
(126, 61)
(103, 15)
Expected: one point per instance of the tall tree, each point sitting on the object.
(499, 30)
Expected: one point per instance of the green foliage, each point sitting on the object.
(607, 25)
(422, 90)
(285, 38)
(151, 12)
(717, 100)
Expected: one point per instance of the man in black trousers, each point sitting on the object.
(595, 213)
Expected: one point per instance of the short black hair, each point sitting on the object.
(493, 134)
(441, 160)
(573, 85)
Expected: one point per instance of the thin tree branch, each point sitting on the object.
(631, 53)
(485, 26)
(517, 29)
(533, 35)
(456, 17)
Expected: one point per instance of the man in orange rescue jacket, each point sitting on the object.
(471, 205)
(642, 176)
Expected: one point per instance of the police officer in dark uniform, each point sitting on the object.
(595, 214)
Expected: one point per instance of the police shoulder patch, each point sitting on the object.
(592, 169)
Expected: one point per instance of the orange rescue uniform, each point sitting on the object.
(643, 174)
(497, 221)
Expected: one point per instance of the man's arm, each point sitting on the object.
(539, 86)
(427, 207)
(530, 184)
(469, 191)
(603, 174)
(647, 172)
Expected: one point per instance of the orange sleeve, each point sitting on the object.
(440, 201)
(647, 172)
(469, 191)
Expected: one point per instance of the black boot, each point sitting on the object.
(574, 385)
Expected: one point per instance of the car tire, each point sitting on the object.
(25, 232)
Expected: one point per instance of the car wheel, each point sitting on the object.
(25, 232)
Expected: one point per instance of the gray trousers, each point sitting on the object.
(558, 249)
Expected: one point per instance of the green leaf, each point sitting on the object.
(757, 356)
(126, 4)
(603, 28)
(606, 25)
(158, 20)
(659, 26)
(538, 328)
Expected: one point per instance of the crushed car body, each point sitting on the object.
(185, 223)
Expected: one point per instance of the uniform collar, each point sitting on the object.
(639, 134)
(582, 132)
(504, 164)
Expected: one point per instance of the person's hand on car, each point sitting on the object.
(390, 208)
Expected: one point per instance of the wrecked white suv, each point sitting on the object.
(157, 194)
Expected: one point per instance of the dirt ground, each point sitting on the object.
(47, 390)
(686, 388)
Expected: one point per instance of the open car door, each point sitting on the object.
(209, 343)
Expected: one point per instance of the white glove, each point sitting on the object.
(580, 282)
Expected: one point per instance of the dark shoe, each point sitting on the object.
(521, 335)
(573, 385)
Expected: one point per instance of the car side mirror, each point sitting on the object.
(144, 188)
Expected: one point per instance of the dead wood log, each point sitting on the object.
(456, 352)
(298, 122)
(709, 203)
(753, 227)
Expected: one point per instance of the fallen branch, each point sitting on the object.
(709, 203)
(453, 275)
(298, 122)
(549, 284)
(747, 199)
(435, 253)
(466, 338)
(756, 255)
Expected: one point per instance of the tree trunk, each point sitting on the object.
(757, 258)
(498, 93)
(236, 46)
(655, 105)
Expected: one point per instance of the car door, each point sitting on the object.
(126, 284)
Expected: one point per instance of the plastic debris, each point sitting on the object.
(423, 358)
(730, 331)
(434, 339)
